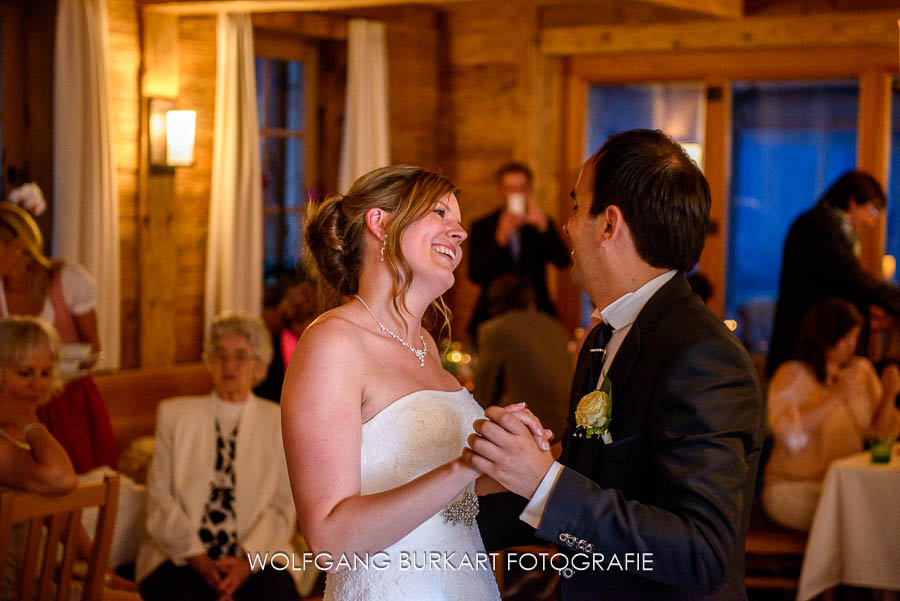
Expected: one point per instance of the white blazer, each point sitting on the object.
(181, 471)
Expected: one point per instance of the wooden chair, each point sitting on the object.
(51, 522)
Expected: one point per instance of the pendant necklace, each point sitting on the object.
(420, 354)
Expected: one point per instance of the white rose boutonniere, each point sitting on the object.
(593, 414)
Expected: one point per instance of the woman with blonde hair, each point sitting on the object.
(62, 294)
(30, 458)
(373, 426)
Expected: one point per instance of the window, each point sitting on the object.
(790, 141)
(286, 71)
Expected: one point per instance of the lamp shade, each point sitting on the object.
(181, 128)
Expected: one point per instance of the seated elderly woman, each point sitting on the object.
(218, 486)
(823, 405)
(30, 458)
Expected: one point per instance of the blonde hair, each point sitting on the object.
(21, 337)
(16, 222)
(335, 229)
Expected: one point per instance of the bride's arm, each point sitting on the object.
(322, 428)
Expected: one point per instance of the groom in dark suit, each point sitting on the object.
(674, 476)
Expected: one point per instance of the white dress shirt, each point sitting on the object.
(620, 314)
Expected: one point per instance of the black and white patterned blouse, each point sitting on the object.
(218, 525)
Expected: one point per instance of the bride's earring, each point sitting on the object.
(383, 246)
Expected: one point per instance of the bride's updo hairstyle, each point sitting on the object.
(336, 226)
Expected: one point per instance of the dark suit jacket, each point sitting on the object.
(488, 260)
(524, 356)
(818, 263)
(677, 481)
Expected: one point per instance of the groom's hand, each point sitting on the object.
(505, 450)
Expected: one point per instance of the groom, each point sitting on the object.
(675, 476)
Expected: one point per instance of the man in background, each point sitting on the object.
(821, 260)
(518, 238)
(523, 355)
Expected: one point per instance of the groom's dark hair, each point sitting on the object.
(661, 192)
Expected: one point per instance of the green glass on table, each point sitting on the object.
(880, 447)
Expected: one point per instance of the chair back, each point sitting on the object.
(51, 536)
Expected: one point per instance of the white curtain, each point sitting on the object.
(365, 144)
(234, 260)
(86, 213)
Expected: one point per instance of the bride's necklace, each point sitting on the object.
(420, 354)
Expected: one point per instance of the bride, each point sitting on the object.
(373, 425)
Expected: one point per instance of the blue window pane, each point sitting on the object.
(295, 97)
(676, 108)
(293, 237)
(281, 106)
(260, 66)
(271, 229)
(790, 141)
(294, 172)
(892, 245)
(273, 169)
(285, 105)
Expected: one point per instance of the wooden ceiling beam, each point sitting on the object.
(724, 9)
(211, 7)
(875, 28)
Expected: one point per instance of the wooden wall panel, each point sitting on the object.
(197, 87)
(124, 70)
(413, 87)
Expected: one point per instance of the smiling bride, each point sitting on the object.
(373, 425)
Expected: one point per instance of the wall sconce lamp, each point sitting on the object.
(171, 135)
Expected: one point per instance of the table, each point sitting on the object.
(855, 533)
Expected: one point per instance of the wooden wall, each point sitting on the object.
(470, 89)
(196, 91)
(124, 71)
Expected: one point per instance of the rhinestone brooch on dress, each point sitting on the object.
(462, 511)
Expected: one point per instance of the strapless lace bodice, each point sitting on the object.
(410, 437)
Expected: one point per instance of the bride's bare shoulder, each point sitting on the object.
(336, 329)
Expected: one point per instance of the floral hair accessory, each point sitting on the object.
(593, 414)
(29, 197)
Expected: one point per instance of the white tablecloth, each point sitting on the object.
(855, 534)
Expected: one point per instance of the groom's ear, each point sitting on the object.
(609, 225)
(376, 222)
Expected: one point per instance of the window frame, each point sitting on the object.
(289, 47)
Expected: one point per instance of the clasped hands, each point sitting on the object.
(225, 575)
(512, 447)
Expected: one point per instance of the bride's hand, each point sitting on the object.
(542, 436)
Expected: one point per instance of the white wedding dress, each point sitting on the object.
(410, 437)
